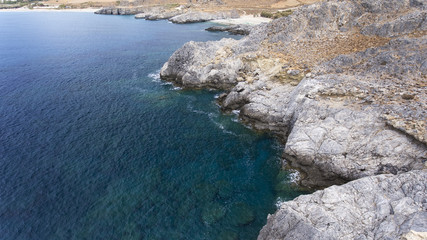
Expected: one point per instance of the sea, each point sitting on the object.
(93, 145)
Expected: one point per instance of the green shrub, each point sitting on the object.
(266, 14)
(282, 14)
(276, 14)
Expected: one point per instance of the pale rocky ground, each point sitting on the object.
(344, 86)
(208, 4)
(243, 20)
(379, 207)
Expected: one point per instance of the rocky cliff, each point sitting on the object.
(181, 14)
(120, 10)
(343, 84)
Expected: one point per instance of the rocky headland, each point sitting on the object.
(343, 84)
(180, 14)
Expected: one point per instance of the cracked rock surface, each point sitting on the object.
(379, 207)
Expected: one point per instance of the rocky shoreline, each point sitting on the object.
(180, 15)
(344, 85)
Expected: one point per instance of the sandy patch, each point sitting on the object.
(286, 4)
(245, 20)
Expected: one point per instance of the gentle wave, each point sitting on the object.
(211, 117)
(155, 76)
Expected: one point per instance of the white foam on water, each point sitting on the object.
(236, 120)
(236, 112)
(294, 176)
(220, 126)
(155, 76)
(279, 202)
(211, 117)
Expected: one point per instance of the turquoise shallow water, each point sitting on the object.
(94, 146)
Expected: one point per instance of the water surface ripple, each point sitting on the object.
(94, 146)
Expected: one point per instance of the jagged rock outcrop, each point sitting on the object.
(233, 29)
(184, 66)
(192, 17)
(342, 82)
(120, 10)
(378, 207)
(161, 12)
(158, 15)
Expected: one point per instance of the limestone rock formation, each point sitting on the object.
(343, 83)
(379, 207)
(120, 10)
(198, 64)
(158, 14)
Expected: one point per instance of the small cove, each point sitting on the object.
(94, 146)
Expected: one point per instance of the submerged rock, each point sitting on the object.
(228, 235)
(379, 207)
(212, 213)
(241, 214)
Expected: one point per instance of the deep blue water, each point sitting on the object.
(94, 146)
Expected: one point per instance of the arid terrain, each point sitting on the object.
(249, 7)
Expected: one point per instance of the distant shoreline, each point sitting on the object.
(92, 10)
(242, 20)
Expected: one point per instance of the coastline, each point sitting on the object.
(332, 90)
(311, 87)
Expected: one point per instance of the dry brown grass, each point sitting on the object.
(309, 53)
(246, 6)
